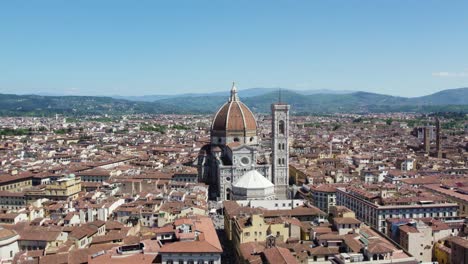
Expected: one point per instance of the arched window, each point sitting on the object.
(236, 139)
(281, 127)
(279, 161)
(279, 145)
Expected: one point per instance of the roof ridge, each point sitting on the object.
(216, 115)
(243, 117)
(227, 116)
(280, 252)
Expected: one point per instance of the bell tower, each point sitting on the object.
(280, 148)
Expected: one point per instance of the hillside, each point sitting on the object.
(357, 102)
(451, 96)
(331, 103)
(36, 105)
(250, 92)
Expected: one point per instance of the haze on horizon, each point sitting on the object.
(404, 48)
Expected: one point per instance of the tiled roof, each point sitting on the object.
(279, 255)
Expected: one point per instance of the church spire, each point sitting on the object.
(234, 96)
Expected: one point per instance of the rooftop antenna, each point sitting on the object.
(279, 95)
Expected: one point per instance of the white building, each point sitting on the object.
(272, 204)
(323, 196)
(197, 242)
(407, 165)
(8, 244)
(375, 214)
(253, 186)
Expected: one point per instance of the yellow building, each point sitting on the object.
(278, 228)
(251, 229)
(15, 183)
(256, 229)
(64, 188)
(442, 253)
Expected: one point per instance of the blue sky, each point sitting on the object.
(407, 48)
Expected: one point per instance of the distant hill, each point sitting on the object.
(356, 102)
(258, 99)
(37, 105)
(451, 96)
(242, 93)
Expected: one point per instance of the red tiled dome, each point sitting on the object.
(234, 116)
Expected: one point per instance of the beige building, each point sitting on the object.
(417, 240)
(341, 211)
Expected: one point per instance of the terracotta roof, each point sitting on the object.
(82, 231)
(459, 241)
(322, 251)
(69, 216)
(352, 241)
(379, 247)
(6, 233)
(113, 236)
(297, 211)
(131, 259)
(165, 229)
(38, 233)
(234, 116)
(114, 225)
(14, 178)
(346, 220)
(251, 252)
(207, 239)
(279, 255)
(190, 247)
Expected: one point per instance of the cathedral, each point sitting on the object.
(234, 164)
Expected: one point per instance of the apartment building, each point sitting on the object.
(374, 208)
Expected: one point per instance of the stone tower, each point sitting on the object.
(280, 149)
(427, 139)
(438, 140)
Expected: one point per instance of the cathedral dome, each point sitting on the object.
(234, 116)
(234, 119)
